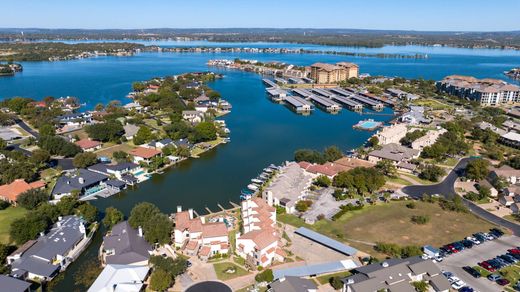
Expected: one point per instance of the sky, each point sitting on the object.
(433, 15)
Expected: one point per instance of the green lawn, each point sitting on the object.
(326, 278)
(398, 180)
(512, 273)
(418, 179)
(7, 217)
(220, 270)
(482, 271)
(391, 223)
(432, 103)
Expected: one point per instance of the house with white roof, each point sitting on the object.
(125, 278)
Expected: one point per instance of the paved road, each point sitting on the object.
(446, 188)
(28, 129)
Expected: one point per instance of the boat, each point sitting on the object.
(245, 197)
(252, 187)
(246, 192)
(273, 167)
(264, 175)
(268, 170)
(257, 181)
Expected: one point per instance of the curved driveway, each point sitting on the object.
(446, 188)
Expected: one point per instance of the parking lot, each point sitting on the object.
(471, 257)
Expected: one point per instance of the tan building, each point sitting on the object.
(323, 73)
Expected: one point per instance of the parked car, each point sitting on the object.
(457, 285)
(438, 259)
(487, 266)
(496, 232)
(471, 271)
(466, 289)
(447, 274)
(488, 236)
(514, 251)
(494, 277)
(467, 243)
(473, 239)
(480, 237)
(503, 282)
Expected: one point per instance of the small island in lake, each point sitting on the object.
(10, 69)
(513, 73)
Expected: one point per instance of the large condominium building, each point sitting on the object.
(323, 73)
(196, 237)
(392, 134)
(488, 92)
(259, 243)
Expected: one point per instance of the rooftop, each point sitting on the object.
(17, 187)
(123, 278)
(87, 143)
(145, 153)
(292, 284)
(128, 247)
(395, 152)
(77, 181)
(12, 284)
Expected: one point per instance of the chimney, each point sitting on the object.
(83, 230)
(60, 218)
(384, 264)
(81, 180)
(42, 234)
(140, 231)
(282, 279)
(179, 209)
(203, 219)
(190, 211)
(350, 281)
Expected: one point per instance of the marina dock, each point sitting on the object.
(388, 102)
(326, 103)
(299, 104)
(269, 82)
(302, 92)
(347, 102)
(365, 100)
(276, 94)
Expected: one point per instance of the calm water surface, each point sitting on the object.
(261, 132)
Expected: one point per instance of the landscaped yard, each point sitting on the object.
(398, 180)
(111, 149)
(391, 223)
(7, 217)
(227, 270)
(432, 103)
(512, 273)
(326, 278)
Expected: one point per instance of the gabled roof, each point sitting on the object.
(17, 187)
(83, 179)
(87, 143)
(123, 278)
(145, 153)
(217, 229)
(292, 284)
(127, 245)
(13, 285)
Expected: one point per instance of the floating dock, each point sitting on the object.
(365, 100)
(269, 82)
(280, 80)
(302, 92)
(322, 92)
(295, 80)
(277, 94)
(299, 104)
(325, 103)
(388, 102)
(341, 91)
(348, 103)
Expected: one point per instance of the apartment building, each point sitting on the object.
(323, 73)
(488, 92)
(392, 134)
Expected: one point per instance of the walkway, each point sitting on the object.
(446, 188)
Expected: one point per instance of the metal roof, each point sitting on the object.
(326, 241)
(317, 269)
(13, 285)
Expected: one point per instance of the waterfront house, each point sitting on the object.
(396, 275)
(82, 181)
(124, 278)
(182, 143)
(196, 237)
(399, 155)
(75, 119)
(134, 106)
(124, 245)
(292, 284)
(258, 243)
(130, 131)
(159, 144)
(143, 154)
(43, 258)
(14, 285)
(288, 187)
(122, 171)
(415, 116)
(88, 145)
(11, 192)
(428, 139)
(193, 117)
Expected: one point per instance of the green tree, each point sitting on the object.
(477, 169)
(87, 273)
(88, 212)
(204, 131)
(58, 146)
(265, 276)
(158, 229)
(420, 286)
(322, 181)
(3, 144)
(112, 217)
(143, 135)
(141, 213)
(386, 167)
(32, 198)
(47, 130)
(332, 153)
(336, 282)
(40, 157)
(104, 132)
(28, 227)
(121, 156)
(373, 141)
(160, 280)
(303, 205)
(431, 172)
(85, 159)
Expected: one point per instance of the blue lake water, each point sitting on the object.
(261, 132)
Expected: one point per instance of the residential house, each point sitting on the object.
(130, 131)
(11, 284)
(328, 169)
(11, 192)
(43, 258)
(82, 181)
(196, 237)
(391, 134)
(396, 275)
(506, 172)
(510, 139)
(415, 116)
(124, 278)
(124, 245)
(75, 119)
(288, 187)
(125, 171)
(88, 145)
(515, 208)
(193, 117)
(506, 200)
(143, 154)
(134, 106)
(159, 144)
(399, 155)
(292, 284)
(259, 242)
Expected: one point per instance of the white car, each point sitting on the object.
(473, 239)
(453, 279)
(457, 285)
(488, 237)
(438, 259)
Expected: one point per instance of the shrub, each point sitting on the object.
(265, 276)
(32, 198)
(411, 205)
(303, 205)
(420, 219)
(322, 181)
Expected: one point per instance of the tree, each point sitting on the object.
(420, 219)
(431, 172)
(32, 198)
(322, 181)
(332, 153)
(143, 135)
(160, 280)
(386, 167)
(99, 107)
(420, 286)
(360, 180)
(514, 162)
(40, 157)
(477, 169)
(175, 266)
(265, 276)
(28, 227)
(120, 156)
(83, 160)
(87, 273)
(303, 205)
(47, 130)
(336, 282)
(88, 212)
(412, 136)
(373, 141)
(104, 132)
(141, 213)
(112, 217)
(311, 156)
(3, 144)
(204, 131)
(58, 146)
(158, 229)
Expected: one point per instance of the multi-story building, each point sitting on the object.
(428, 139)
(392, 134)
(196, 237)
(259, 243)
(488, 92)
(323, 73)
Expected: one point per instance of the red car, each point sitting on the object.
(487, 266)
(503, 282)
(514, 251)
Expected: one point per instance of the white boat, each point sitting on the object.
(257, 181)
(252, 187)
(268, 170)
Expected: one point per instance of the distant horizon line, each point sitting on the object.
(260, 28)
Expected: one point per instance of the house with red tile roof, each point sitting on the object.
(259, 242)
(196, 237)
(142, 154)
(88, 145)
(11, 192)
